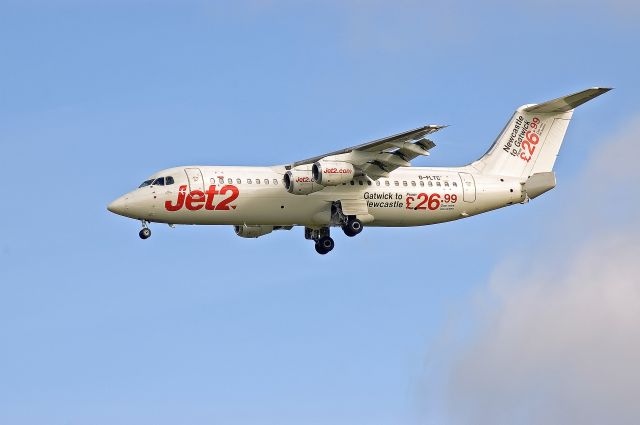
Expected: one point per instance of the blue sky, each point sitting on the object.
(198, 326)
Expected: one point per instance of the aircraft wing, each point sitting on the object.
(378, 158)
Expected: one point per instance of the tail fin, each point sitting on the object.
(531, 140)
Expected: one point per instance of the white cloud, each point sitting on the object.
(554, 338)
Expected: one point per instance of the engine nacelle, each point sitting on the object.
(245, 231)
(332, 173)
(300, 182)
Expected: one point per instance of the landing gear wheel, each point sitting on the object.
(324, 245)
(352, 227)
(145, 233)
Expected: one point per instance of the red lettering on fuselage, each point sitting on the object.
(197, 199)
(179, 202)
(211, 192)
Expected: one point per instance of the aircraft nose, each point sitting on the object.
(119, 206)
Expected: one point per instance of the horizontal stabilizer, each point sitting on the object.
(539, 183)
(567, 103)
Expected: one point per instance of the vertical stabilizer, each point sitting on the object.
(531, 140)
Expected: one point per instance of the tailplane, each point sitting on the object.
(530, 142)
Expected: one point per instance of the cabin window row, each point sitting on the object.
(166, 181)
(275, 182)
(405, 183)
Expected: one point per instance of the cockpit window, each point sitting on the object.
(159, 181)
(169, 180)
(146, 183)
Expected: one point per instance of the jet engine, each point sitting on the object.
(300, 182)
(332, 173)
(245, 231)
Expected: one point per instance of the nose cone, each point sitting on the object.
(119, 206)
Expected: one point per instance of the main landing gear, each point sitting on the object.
(145, 233)
(351, 226)
(324, 245)
(324, 242)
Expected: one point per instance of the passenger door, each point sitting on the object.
(194, 176)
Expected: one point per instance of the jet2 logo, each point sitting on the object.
(197, 199)
(335, 170)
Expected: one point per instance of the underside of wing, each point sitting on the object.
(378, 158)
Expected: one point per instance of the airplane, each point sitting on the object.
(372, 184)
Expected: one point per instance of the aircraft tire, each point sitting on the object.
(145, 233)
(352, 227)
(324, 245)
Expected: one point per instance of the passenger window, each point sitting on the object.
(377, 182)
(387, 183)
(229, 181)
(360, 182)
(221, 180)
(352, 182)
(438, 184)
(248, 181)
(266, 181)
(446, 184)
(430, 183)
(421, 183)
(238, 181)
(455, 184)
(275, 182)
(396, 183)
(369, 182)
(169, 180)
(257, 181)
(159, 181)
(413, 183)
(404, 183)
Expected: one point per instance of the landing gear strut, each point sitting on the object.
(324, 242)
(350, 224)
(145, 233)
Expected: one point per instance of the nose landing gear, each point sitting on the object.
(145, 233)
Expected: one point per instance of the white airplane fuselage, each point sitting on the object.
(410, 196)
